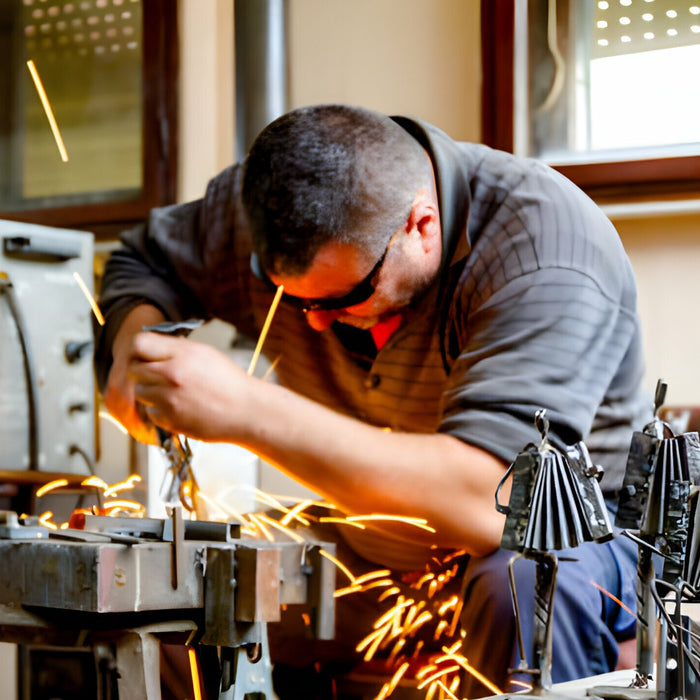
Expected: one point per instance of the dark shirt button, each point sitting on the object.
(373, 381)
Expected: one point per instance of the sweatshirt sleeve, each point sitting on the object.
(189, 260)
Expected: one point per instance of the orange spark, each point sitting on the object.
(257, 520)
(413, 610)
(271, 368)
(115, 506)
(449, 604)
(424, 578)
(479, 676)
(522, 684)
(377, 573)
(125, 485)
(51, 486)
(441, 627)
(337, 562)
(399, 607)
(372, 642)
(95, 482)
(91, 299)
(416, 522)
(194, 673)
(418, 649)
(265, 328)
(612, 597)
(419, 622)
(268, 499)
(340, 592)
(389, 687)
(293, 513)
(438, 674)
(45, 520)
(389, 593)
(360, 588)
(400, 644)
(341, 521)
(47, 109)
(279, 526)
(226, 509)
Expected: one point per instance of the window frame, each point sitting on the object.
(605, 181)
(160, 59)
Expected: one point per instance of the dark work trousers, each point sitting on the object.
(587, 623)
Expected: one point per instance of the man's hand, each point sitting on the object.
(188, 387)
(119, 396)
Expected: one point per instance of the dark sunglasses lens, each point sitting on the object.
(358, 295)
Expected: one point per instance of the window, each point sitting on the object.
(604, 90)
(90, 126)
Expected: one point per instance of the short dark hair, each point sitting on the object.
(329, 172)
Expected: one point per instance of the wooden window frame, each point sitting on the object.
(673, 177)
(159, 137)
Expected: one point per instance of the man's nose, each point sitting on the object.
(320, 320)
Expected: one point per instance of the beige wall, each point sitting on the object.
(422, 58)
(206, 129)
(665, 254)
(415, 57)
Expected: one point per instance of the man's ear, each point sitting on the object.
(424, 218)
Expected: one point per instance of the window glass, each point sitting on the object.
(72, 132)
(609, 80)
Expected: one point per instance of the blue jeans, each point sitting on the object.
(587, 623)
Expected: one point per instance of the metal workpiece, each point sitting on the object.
(10, 527)
(121, 584)
(131, 568)
(99, 576)
(162, 528)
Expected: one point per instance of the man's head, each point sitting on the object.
(329, 173)
(343, 212)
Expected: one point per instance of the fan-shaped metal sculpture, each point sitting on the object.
(555, 503)
(658, 503)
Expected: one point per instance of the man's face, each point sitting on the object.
(343, 284)
(339, 269)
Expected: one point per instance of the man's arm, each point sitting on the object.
(192, 388)
(188, 260)
(119, 390)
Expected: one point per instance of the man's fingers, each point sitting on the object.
(148, 373)
(152, 347)
(149, 394)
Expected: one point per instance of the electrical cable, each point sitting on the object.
(7, 290)
(74, 449)
(559, 63)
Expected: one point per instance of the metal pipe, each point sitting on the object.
(261, 67)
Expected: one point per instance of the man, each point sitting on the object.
(442, 290)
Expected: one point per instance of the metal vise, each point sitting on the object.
(121, 584)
